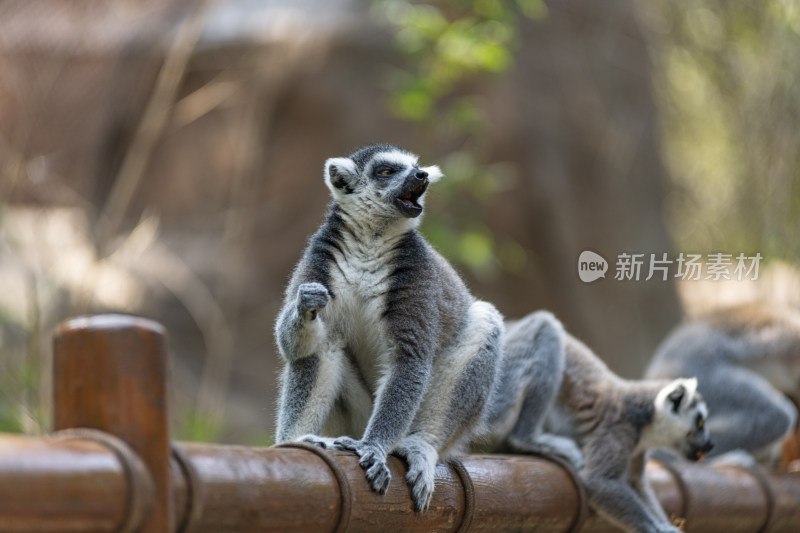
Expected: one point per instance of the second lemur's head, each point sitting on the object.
(680, 419)
(380, 182)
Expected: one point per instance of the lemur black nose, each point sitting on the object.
(421, 174)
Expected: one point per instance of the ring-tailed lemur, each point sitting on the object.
(561, 399)
(747, 361)
(383, 343)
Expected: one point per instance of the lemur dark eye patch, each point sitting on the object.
(386, 169)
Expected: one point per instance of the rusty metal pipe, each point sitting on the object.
(109, 376)
(298, 490)
(53, 484)
(63, 486)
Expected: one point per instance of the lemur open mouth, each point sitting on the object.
(407, 201)
(698, 453)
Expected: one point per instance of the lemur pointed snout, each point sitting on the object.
(421, 175)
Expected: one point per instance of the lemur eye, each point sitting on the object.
(385, 172)
(700, 422)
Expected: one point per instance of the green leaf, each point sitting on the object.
(475, 249)
(533, 9)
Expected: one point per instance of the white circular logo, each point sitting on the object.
(591, 266)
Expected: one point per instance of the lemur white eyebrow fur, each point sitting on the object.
(397, 158)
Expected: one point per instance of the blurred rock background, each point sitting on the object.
(164, 158)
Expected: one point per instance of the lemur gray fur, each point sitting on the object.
(747, 361)
(561, 399)
(384, 345)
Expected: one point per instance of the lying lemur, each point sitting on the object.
(747, 361)
(384, 345)
(561, 399)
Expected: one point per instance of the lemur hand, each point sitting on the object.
(373, 460)
(311, 297)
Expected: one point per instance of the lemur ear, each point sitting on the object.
(434, 173)
(340, 175)
(676, 397)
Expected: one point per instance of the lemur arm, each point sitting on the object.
(312, 369)
(607, 486)
(299, 329)
(638, 480)
(617, 500)
(396, 404)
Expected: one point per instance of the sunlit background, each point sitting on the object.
(164, 158)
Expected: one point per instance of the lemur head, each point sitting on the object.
(380, 181)
(680, 419)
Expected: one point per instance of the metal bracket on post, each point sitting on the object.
(140, 484)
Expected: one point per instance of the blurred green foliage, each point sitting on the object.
(727, 77)
(23, 402)
(445, 46)
(444, 43)
(196, 427)
(728, 84)
(21, 408)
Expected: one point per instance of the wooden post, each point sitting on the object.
(109, 374)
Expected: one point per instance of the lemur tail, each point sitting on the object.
(533, 365)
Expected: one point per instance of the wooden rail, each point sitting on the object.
(109, 467)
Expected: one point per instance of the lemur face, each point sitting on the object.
(681, 416)
(380, 180)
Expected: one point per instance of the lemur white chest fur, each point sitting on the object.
(355, 314)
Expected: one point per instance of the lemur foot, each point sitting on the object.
(549, 444)
(563, 447)
(373, 461)
(420, 478)
(311, 297)
(421, 459)
(323, 442)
